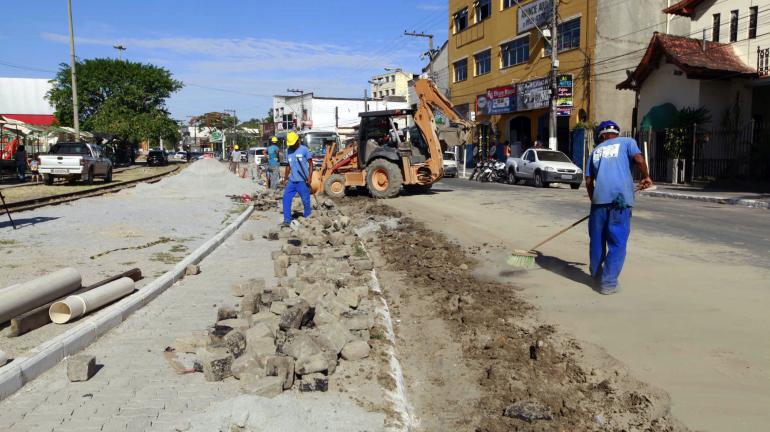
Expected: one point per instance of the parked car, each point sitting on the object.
(157, 158)
(75, 160)
(180, 155)
(450, 165)
(543, 167)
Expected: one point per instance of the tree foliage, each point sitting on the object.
(679, 136)
(123, 98)
(215, 120)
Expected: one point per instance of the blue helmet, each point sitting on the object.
(608, 126)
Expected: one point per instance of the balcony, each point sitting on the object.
(763, 62)
(470, 34)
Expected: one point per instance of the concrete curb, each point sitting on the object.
(48, 354)
(712, 199)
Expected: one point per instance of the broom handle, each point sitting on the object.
(7, 212)
(560, 233)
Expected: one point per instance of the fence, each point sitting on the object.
(709, 154)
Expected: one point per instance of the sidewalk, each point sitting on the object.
(746, 199)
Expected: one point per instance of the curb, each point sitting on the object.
(48, 354)
(712, 199)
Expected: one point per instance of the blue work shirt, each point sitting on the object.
(610, 167)
(272, 156)
(298, 162)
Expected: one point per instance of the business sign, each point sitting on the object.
(564, 99)
(216, 136)
(534, 94)
(534, 14)
(498, 100)
(563, 111)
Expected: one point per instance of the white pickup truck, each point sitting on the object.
(543, 167)
(73, 161)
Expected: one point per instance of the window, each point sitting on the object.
(515, 52)
(288, 121)
(461, 70)
(734, 26)
(568, 36)
(461, 20)
(392, 78)
(753, 11)
(483, 62)
(715, 28)
(508, 3)
(483, 10)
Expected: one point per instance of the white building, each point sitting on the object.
(394, 83)
(311, 112)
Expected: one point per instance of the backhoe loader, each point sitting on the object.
(381, 159)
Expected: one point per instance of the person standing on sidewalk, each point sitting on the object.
(297, 177)
(273, 164)
(611, 188)
(21, 162)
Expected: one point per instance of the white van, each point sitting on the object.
(257, 155)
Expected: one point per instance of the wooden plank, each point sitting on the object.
(38, 317)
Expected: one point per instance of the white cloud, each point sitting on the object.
(431, 6)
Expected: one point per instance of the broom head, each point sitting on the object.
(521, 258)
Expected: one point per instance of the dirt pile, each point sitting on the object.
(529, 376)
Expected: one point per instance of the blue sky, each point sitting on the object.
(229, 53)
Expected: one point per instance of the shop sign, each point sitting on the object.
(564, 87)
(498, 100)
(534, 14)
(534, 94)
(563, 111)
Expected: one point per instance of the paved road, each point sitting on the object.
(739, 227)
(692, 318)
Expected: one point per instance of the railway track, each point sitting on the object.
(113, 187)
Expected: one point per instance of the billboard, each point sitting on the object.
(534, 14)
(498, 100)
(564, 100)
(534, 94)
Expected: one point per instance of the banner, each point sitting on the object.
(498, 100)
(534, 14)
(534, 94)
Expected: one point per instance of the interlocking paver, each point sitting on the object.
(136, 389)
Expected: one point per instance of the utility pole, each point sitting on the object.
(430, 48)
(302, 106)
(120, 49)
(366, 100)
(552, 139)
(75, 115)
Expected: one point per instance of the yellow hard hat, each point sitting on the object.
(274, 139)
(236, 146)
(292, 138)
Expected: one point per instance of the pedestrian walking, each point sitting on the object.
(273, 164)
(21, 162)
(297, 176)
(611, 188)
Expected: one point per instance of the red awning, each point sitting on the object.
(33, 119)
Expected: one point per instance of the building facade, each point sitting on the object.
(500, 64)
(311, 112)
(395, 83)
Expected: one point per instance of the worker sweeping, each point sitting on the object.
(611, 188)
(297, 176)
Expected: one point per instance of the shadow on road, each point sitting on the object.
(25, 221)
(569, 270)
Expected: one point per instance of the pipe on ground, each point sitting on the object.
(18, 299)
(78, 305)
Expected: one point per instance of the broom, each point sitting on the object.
(526, 258)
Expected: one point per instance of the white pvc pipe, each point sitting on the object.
(17, 299)
(78, 305)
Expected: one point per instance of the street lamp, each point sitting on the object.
(120, 49)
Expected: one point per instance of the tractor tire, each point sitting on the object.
(383, 179)
(418, 189)
(334, 186)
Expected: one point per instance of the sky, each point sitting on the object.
(230, 54)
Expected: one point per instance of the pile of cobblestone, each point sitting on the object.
(294, 334)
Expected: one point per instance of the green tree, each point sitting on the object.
(215, 120)
(123, 98)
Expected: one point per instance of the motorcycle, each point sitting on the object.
(492, 171)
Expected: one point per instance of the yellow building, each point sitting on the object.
(500, 66)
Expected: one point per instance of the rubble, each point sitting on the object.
(356, 350)
(217, 363)
(192, 270)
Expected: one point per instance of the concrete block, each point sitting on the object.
(258, 331)
(217, 364)
(356, 350)
(310, 364)
(281, 366)
(337, 334)
(259, 347)
(226, 312)
(192, 270)
(249, 304)
(300, 345)
(81, 367)
(314, 382)
(269, 387)
(357, 320)
(280, 266)
(296, 316)
(246, 365)
(235, 342)
(278, 308)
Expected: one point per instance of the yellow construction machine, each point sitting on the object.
(383, 158)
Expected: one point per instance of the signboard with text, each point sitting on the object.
(564, 100)
(498, 100)
(534, 94)
(534, 14)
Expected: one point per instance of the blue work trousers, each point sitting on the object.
(293, 188)
(608, 227)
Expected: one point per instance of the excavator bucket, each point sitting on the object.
(316, 184)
